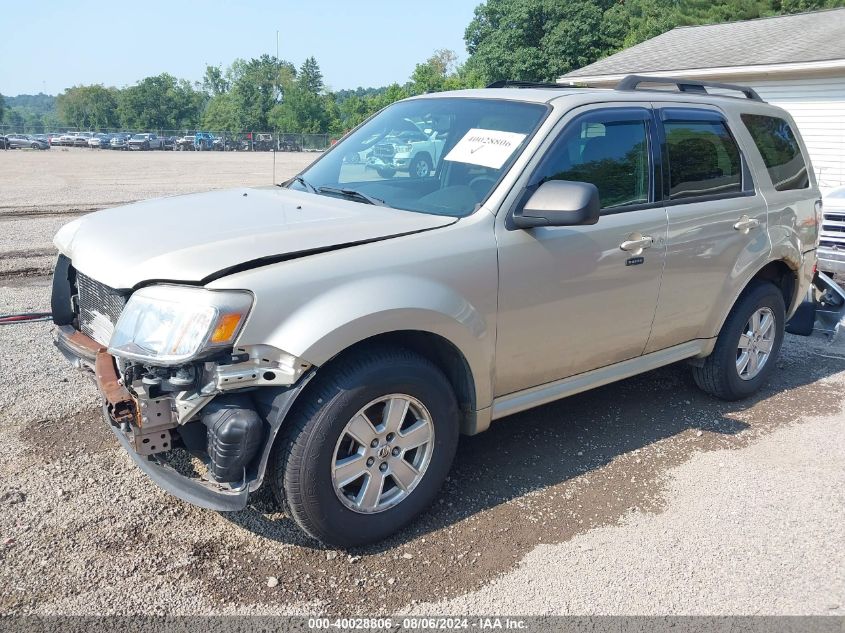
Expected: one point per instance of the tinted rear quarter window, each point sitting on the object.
(780, 151)
(704, 159)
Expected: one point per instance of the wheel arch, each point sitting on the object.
(783, 273)
(423, 154)
(434, 347)
(275, 404)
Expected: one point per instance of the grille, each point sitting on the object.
(833, 229)
(99, 308)
(384, 150)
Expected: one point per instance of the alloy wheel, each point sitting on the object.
(382, 453)
(755, 343)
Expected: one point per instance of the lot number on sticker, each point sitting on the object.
(488, 148)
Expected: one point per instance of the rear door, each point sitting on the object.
(717, 222)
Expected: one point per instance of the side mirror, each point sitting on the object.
(560, 203)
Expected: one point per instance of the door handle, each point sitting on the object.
(636, 243)
(745, 224)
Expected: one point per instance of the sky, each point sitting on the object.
(50, 45)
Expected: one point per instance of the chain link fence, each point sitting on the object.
(221, 140)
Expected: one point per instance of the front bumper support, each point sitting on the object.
(120, 412)
(204, 494)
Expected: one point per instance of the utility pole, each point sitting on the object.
(277, 44)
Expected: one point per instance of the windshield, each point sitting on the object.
(432, 155)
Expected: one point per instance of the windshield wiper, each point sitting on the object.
(308, 186)
(352, 193)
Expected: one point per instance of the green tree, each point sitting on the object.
(160, 103)
(257, 86)
(220, 114)
(14, 119)
(301, 111)
(214, 82)
(352, 112)
(310, 77)
(91, 107)
(505, 39)
(539, 40)
(2, 107)
(436, 73)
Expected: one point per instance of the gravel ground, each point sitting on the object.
(644, 497)
(83, 179)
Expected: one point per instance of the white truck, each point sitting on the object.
(146, 141)
(414, 149)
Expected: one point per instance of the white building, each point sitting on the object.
(796, 62)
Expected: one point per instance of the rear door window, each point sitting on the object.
(704, 159)
(780, 151)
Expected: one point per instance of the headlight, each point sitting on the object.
(169, 325)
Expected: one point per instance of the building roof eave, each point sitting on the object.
(757, 71)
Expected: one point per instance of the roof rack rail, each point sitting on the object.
(632, 82)
(512, 83)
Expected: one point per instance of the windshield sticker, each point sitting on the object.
(488, 148)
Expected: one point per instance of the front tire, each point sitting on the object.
(420, 167)
(748, 345)
(367, 448)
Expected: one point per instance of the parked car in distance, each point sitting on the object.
(99, 141)
(81, 139)
(120, 141)
(330, 338)
(169, 143)
(4, 142)
(203, 141)
(55, 139)
(146, 141)
(262, 142)
(67, 139)
(289, 144)
(226, 143)
(185, 143)
(20, 141)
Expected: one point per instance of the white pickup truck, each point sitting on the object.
(146, 141)
(411, 150)
(832, 237)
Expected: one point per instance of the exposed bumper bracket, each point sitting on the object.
(200, 493)
(121, 405)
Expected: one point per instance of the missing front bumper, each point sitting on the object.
(121, 410)
(202, 493)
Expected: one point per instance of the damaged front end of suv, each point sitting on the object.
(164, 360)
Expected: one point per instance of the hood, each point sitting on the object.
(199, 236)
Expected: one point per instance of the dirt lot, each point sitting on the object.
(644, 497)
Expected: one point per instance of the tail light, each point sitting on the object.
(819, 213)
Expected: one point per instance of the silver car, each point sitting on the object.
(20, 141)
(331, 338)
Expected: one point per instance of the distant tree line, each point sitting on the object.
(532, 40)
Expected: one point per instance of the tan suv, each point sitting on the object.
(333, 336)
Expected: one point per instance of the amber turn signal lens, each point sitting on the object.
(226, 327)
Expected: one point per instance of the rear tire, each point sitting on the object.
(740, 364)
(304, 474)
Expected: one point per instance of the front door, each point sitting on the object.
(572, 299)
